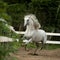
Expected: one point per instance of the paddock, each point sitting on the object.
(21, 54)
(43, 54)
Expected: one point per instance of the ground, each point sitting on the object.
(42, 55)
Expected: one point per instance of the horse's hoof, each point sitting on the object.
(35, 54)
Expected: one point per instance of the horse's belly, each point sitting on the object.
(37, 38)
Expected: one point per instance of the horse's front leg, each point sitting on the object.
(26, 49)
(26, 42)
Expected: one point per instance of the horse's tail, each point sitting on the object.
(45, 39)
(44, 42)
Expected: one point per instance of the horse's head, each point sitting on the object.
(28, 20)
(31, 20)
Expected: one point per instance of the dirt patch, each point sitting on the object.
(42, 55)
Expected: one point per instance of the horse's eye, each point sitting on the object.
(27, 20)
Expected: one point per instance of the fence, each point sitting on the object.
(47, 42)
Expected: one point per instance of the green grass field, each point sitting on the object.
(47, 46)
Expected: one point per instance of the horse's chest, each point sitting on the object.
(29, 34)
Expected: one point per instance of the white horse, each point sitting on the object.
(33, 33)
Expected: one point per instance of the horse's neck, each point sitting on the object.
(29, 31)
(30, 28)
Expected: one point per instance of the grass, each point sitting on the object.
(47, 46)
(11, 58)
(51, 46)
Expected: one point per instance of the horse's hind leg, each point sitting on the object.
(37, 46)
(42, 45)
(43, 42)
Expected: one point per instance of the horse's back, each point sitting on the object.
(39, 32)
(39, 35)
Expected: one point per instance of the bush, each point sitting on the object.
(7, 47)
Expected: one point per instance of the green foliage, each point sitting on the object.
(17, 12)
(3, 7)
(6, 48)
(45, 10)
(6, 17)
(3, 12)
(51, 47)
(4, 31)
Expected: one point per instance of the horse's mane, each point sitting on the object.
(35, 21)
